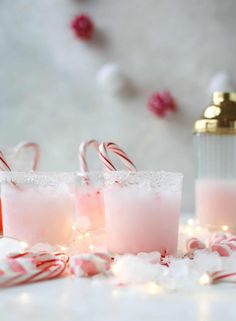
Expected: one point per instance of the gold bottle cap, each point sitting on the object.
(220, 116)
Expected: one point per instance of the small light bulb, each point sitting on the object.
(87, 234)
(198, 228)
(25, 298)
(115, 269)
(73, 227)
(80, 237)
(63, 248)
(190, 221)
(204, 279)
(224, 228)
(91, 247)
(24, 244)
(152, 288)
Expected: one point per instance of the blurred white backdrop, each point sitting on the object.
(48, 88)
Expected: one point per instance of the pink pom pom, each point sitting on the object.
(162, 103)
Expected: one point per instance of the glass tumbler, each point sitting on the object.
(89, 201)
(142, 211)
(37, 207)
(19, 159)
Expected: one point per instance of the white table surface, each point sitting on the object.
(97, 300)
(83, 299)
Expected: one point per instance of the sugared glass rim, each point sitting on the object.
(36, 177)
(142, 172)
(156, 179)
(125, 171)
(44, 178)
(92, 173)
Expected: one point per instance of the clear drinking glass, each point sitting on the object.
(19, 159)
(37, 207)
(142, 211)
(89, 201)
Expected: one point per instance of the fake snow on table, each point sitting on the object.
(9, 245)
(193, 266)
(181, 273)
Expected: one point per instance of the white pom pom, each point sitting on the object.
(111, 78)
(207, 261)
(9, 246)
(222, 81)
(153, 257)
(133, 269)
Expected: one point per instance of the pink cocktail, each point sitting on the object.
(89, 201)
(37, 208)
(216, 203)
(142, 211)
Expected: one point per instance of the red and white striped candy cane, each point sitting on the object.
(216, 238)
(30, 267)
(87, 265)
(108, 165)
(194, 244)
(223, 249)
(222, 243)
(83, 151)
(222, 276)
(36, 150)
(4, 166)
(231, 241)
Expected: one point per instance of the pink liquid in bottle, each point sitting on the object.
(216, 203)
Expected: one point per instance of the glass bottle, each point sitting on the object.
(215, 147)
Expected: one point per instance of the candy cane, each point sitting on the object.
(30, 267)
(222, 276)
(222, 244)
(231, 241)
(82, 157)
(87, 265)
(103, 153)
(82, 153)
(194, 244)
(36, 149)
(216, 238)
(4, 166)
(221, 249)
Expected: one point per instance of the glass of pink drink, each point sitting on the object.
(216, 203)
(89, 201)
(37, 207)
(142, 211)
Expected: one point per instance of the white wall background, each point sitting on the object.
(48, 89)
